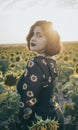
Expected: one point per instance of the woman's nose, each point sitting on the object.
(33, 38)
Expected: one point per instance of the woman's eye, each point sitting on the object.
(40, 35)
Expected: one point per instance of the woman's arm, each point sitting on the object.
(30, 83)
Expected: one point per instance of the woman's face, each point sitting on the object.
(38, 41)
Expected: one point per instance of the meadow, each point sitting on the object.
(13, 59)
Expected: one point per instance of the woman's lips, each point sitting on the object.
(33, 44)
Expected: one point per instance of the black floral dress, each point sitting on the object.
(36, 87)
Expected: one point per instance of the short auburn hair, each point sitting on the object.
(53, 45)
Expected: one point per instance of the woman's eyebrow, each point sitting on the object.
(39, 33)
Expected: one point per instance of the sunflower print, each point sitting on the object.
(52, 65)
(28, 112)
(55, 70)
(44, 62)
(30, 93)
(31, 102)
(21, 104)
(26, 72)
(49, 79)
(33, 78)
(25, 86)
(30, 64)
(25, 116)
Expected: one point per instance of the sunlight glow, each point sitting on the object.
(15, 23)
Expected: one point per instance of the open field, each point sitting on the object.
(13, 59)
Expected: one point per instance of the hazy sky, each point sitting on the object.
(16, 17)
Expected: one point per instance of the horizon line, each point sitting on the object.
(26, 43)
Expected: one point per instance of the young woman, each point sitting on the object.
(36, 85)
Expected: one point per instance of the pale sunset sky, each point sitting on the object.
(16, 17)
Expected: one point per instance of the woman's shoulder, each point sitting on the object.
(48, 65)
(37, 59)
(43, 60)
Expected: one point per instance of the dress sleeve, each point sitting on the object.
(29, 85)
